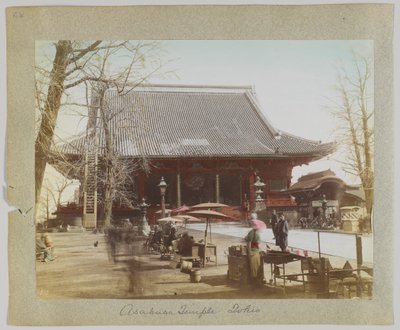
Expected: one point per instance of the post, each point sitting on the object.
(178, 190)
(324, 285)
(252, 204)
(47, 206)
(163, 187)
(217, 188)
(359, 251)
(359, 263)
(162, 206)
(319, 247)
(205, 244)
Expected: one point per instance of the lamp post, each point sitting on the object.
(259, 192)
(163, 187)
(145, 228)
(259, 189)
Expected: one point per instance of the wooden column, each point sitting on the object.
(241, 189)
(251, 192)
(178, 190)
(140, 185)
(217, 188)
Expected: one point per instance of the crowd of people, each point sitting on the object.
(164, 239)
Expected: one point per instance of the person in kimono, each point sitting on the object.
(282, 232)
(254, 253)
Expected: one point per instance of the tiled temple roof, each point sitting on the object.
(163, 121)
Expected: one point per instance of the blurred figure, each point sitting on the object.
(47, 240)
(45, 247)
(171, 235)
(185, 245)
(274, 221)
(282, 232)
(254, 252)
(156, 239)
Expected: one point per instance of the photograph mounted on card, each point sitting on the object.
(196, 178)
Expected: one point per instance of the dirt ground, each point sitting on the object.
(83, 270)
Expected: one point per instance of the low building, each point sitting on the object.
(322, 194)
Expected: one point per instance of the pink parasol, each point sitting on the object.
(180, 209)
(258, 224)
(160, 211)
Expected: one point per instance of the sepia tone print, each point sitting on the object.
(204, 169)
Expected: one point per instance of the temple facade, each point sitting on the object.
(210, 143)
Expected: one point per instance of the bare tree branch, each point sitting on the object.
(353, 115)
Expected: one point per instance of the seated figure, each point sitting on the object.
(185, 245)
(44, 248)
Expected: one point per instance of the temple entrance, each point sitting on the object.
(197, 188)
(230, 191)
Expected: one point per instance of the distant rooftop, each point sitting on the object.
(313, 181)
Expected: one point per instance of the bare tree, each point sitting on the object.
(56, 190)
(355, 116)
(116, 174)
(92, 67)
(67, 61)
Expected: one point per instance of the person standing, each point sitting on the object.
(253, 253)
(274, 221)
(282, 232)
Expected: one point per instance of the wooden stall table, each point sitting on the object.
(278, 260)
(206, 254)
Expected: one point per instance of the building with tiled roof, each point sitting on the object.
(209, 143)
(314, 181)
(314, 189)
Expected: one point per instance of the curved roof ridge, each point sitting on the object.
(193, 88)
(314, 181)
(319, 142)
(254, 102)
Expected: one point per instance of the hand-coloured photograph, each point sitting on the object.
(204, 169)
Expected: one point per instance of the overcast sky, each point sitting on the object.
(293, 80)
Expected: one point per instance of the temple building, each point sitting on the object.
(315, 191)
(208, 142)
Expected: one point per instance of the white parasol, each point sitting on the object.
(186, 218)
(169, 219)
(209, 205)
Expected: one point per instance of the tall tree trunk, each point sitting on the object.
(49, 116)
(109, 163)
(367, 175)
(108, 195)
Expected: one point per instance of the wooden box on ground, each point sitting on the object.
(238, 268)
